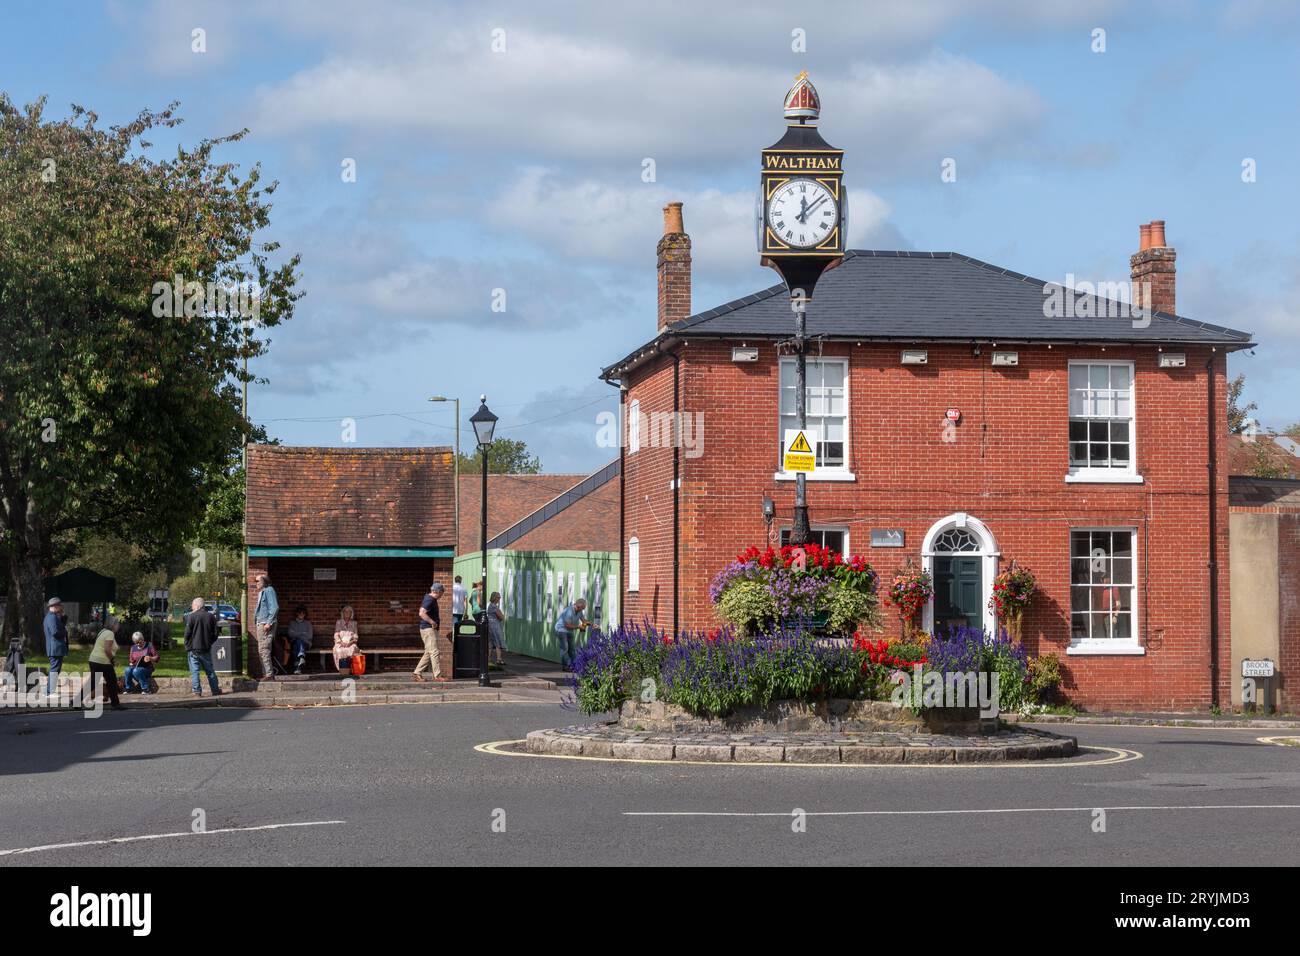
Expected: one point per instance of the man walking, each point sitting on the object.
(458, 598)
(56, 643)
(430, 622)
(264, 620)
(571, 619)
(200, 635)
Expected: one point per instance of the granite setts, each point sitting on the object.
(886, 747)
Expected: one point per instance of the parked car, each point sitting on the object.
(224, 612)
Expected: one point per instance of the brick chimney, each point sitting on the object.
(1153, 268)
(674, 251)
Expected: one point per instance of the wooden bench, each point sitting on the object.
(379, 642)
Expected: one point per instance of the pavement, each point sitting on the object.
(524, 678)
(417, 785)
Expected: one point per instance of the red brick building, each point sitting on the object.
(370, 527)
(1089, 448)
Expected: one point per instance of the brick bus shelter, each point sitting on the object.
(369, 527)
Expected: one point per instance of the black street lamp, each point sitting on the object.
(485, 424)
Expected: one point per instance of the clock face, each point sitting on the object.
(802, 213)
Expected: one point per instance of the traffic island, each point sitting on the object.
(613, 741)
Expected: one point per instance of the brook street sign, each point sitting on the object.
(797, 451)
(1251, 668)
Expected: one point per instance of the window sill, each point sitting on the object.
(1103, 478)
(1109, 648)
(826, 474)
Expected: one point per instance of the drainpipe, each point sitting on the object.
(1212, 466)
(622, 500)
(677, 488)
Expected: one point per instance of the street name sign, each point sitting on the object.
(1256, 668)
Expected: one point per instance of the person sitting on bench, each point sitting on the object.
(139, 669)
(345, 639)
(300, 634)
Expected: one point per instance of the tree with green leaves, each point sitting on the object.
(1239, 416)
(506, 456)
(131, 291)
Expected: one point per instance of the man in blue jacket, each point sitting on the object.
(56, 642)
(264, 620)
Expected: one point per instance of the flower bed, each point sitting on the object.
(718, 673)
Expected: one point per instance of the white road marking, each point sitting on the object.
(931, 813)
(164, 836)
(1119, 755)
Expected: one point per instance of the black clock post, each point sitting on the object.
(802, 220)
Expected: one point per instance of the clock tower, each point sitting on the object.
(802, 204)
(802, 221)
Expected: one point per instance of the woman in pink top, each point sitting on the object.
(345, 637)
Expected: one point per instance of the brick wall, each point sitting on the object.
(1007, 468)
(369, 585)
(1288, 546)
(649, 504)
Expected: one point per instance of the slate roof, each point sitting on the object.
(350, 497)
(1263, 494)
(935, 296)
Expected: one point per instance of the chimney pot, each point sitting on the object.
(674, 255)
(1153, 269)
(673, 219)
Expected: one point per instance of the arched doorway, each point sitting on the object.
(961, 555)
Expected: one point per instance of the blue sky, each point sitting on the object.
(521, 169)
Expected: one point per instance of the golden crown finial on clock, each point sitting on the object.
(802, 102)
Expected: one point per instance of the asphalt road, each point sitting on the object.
(409, 788)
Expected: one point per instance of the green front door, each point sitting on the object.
(958, 593)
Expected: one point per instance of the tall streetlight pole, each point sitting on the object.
(243, 459)
(456, 467)
(799, 529)
(484, 423)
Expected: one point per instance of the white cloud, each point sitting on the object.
(600, 101)
(622, 223)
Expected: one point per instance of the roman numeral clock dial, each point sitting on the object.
(801, 201)
(803, 212)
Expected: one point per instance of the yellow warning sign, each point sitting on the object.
(798, 454)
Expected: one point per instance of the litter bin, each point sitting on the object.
(464, 650)
(228, 651)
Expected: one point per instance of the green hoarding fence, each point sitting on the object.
(536, 585)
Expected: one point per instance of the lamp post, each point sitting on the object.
(456, 465)
(484, 423)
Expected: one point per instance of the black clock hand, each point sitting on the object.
(803, 209)
(815, 205)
